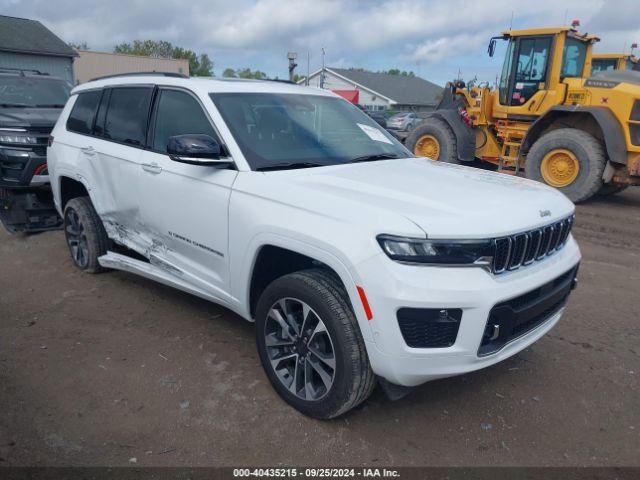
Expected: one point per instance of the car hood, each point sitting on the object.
(29, 117)
(443, 200)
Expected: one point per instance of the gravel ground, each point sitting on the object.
(113, 369)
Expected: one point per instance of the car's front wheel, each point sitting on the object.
(310, 344)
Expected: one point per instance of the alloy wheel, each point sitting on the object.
(76, 238)
(300, 349)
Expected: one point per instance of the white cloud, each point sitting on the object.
(374, 34)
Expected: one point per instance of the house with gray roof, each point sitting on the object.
(380, 91)
(28, 45)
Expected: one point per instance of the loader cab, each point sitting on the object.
(606, 62)
(535, 65)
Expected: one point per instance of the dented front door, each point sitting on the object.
(185, 207)
(185, 220)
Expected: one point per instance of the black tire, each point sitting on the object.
(611, 189)
(443, 134)
(589, 151)
(83, 227)
(353, 379)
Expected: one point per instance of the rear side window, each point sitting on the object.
(127, 115)
(84, 111)
(178, 114)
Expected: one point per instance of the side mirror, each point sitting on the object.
(196, 149)
(492, 47)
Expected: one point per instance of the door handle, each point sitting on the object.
(152, 168)
(88, 151)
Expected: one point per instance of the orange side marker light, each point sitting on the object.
(365, 302)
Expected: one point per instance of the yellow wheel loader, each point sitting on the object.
(605, 62)
(547, 117)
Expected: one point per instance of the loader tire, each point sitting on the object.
(434, 139)
(569, 159)
(610, 189)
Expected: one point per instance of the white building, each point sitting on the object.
(381, 91)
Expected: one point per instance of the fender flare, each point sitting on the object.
(338, 265)
(465, 136)
(613, 135)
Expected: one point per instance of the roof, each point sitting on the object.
(550, 31)
(22, 35)
(401, 89)
(616, 56)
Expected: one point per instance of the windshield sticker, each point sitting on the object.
(374, 134)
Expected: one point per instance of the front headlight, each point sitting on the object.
(18, 139)
(437, 252)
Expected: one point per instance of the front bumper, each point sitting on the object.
(391, 286)
(22, 167)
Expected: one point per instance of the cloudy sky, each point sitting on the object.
(433, 38)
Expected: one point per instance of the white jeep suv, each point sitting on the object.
(359, 263)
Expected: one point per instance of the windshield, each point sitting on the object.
(18, 91)
(603, 65)
(304, 130)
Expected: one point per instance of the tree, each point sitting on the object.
(79, 45)
(297, 78)
(244, 73)
(397, 71)
(247, 73)
(199, 65)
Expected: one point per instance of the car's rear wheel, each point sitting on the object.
(310, 344)
(85, 234)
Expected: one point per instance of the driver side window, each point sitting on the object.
(178, 113)
(531, 68)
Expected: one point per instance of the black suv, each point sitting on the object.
(30, 103)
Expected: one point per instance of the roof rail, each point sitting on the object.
(21, 71)
(281, 80)
(142, 74)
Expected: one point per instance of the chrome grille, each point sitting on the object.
(520, 249)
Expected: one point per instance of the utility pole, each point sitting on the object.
(292, 64)
(322, 71)
(306, 81)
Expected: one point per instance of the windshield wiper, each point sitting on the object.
(287, 166)
(373, 158)
(50, 105)
(14, 105)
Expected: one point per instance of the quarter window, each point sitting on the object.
(127, 115)
(178, 114)
(83, 112)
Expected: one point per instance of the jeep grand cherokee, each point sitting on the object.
(358, 263)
